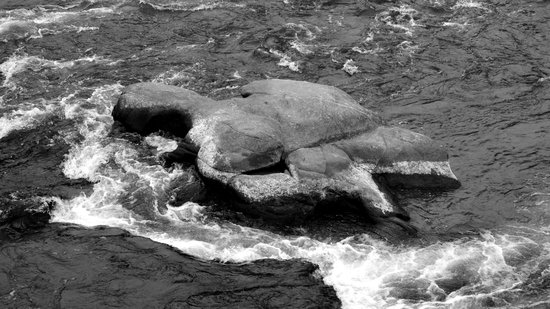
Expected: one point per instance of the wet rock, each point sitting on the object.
(141, 110)
(185, 154)
(76, 267)
(188, 187)
(142, 201)
(291, 143)
(17, 216)
(30, 169)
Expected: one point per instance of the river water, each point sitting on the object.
(472, 74)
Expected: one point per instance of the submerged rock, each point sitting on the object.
(65, 266)
(287, 145)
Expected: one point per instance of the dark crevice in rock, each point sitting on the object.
(170, 121)
(279, 167)
(331, 219)
(422, 181)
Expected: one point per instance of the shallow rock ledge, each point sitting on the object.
(285, 146)
(65, 266)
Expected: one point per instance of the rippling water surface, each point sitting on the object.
(472, 74)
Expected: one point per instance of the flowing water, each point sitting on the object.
(472, 74)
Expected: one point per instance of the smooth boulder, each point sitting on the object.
(285, 146)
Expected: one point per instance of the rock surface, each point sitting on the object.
(287, 145)
(65, 266)
(30, 170)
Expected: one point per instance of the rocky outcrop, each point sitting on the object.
(30, 170)
(284, 146)
(64, 266)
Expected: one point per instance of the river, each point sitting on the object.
(474, 75)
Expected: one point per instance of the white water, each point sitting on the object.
(18, 63)
(190, 5)
(44, 20)
(29, 113)
(21, 119)
(363, 271)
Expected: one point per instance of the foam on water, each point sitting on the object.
(29, 113)
(286, 61)
(350, 67)
(18, 63)
(455, 24)
(401, 18)
(22, 118)
(373, 51)
(191, 5)
(365, 272)
(468, 4)
(180, 77)
(46, 20)
(299, 42)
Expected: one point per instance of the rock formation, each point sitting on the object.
(285, 146)
(67, 266)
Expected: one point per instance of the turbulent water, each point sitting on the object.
(472, 74)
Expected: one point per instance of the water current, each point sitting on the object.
(472, 74)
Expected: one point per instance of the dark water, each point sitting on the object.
(472, 74)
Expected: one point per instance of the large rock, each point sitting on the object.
(66, 266)
(287, 145)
